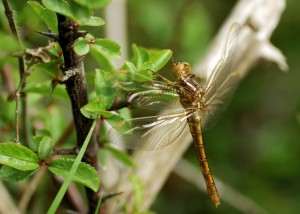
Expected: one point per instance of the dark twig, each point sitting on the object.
(76, 87)
(10, 18)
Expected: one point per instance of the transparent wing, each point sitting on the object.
(222, 82)
(217, 102)
(154, 95)
(152, 133)
(223, 68)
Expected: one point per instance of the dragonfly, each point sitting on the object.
(195, 105)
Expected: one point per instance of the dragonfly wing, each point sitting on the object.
(155, 95)
(222, 82)
(151, 133)
(217, 102)
(223, 69)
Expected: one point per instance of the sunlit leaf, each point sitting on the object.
(18, 157)
(157, 61)
(93, 3)
(92, 21)
(68, 8)
(107, 47)
(85, 173)
(94, 108)
(81, 47)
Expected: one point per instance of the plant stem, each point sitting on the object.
(10, 18)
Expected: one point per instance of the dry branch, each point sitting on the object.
(258, 19)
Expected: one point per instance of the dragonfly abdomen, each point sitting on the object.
(195, 128)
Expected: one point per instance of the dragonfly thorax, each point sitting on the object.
(179, 69)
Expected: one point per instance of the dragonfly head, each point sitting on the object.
(181, 68)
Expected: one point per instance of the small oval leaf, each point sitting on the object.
(107, 47)
(92, 21)
(45, 148)
(81, 47)
(96, 107)
(85, 173)
(18, 157)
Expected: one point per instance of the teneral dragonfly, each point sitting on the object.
(198, 105)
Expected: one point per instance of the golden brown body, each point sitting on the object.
(191, 94)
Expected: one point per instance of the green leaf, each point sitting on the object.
(107, 47)
(70, 9)
(85, 174)
(93, 3)
(140, 55)
(135, 75)
(81, 47)
(92, 21)
(18, 157)
(102, 60)
(95, 108)
(13, 175)
(157, 61)
(48, 16)
(120, 156)
(103, 86)
(45, 148)
(38, 137)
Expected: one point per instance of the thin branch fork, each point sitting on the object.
(258, 19)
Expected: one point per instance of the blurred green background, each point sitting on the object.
(254, 146)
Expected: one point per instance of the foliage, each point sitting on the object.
(252, 148)
(43, 67)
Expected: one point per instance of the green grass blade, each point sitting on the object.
(68, 179)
